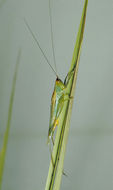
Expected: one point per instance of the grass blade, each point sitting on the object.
(6, 135)
(55, 173)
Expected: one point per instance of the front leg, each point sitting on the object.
(68, 76)
(67, 97)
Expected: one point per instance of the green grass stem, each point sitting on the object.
(55, 173)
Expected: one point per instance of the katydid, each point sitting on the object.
(57, 102)
(59, 95)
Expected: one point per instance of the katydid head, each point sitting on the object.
(59, 84)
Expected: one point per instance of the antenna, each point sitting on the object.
(50, 15)
(30, 30)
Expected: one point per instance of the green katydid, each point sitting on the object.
(59, 95)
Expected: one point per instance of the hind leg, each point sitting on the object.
(55, 125)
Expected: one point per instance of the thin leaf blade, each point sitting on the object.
(6, 134)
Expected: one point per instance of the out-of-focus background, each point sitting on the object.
(89, 155)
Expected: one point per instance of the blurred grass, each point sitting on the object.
(6, 135)
(55, 173)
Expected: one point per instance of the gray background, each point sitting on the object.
(89, 155)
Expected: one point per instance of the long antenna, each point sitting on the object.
(50, 15)
(29, 28)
